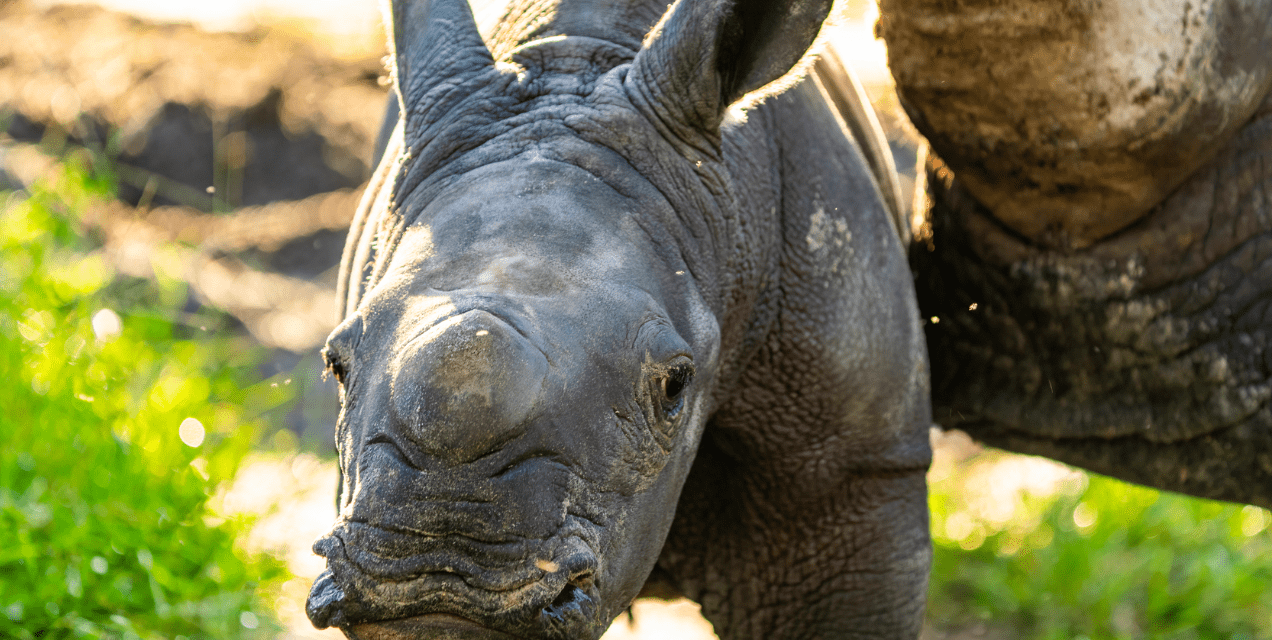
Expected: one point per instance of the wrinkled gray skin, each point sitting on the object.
(597, 324)
(602, 333)
(1104, 299)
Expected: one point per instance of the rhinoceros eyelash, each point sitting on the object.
(335, 365)
(340, 346)
(677, 380)
(669, 391)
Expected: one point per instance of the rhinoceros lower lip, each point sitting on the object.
(425, 627)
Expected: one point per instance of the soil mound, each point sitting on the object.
(259, 116)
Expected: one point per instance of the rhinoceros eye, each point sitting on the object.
(672, 385)
(340, 347)
(335, 364)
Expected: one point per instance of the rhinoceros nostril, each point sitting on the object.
(573, 602)
(568, 595)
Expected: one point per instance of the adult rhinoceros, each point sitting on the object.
(615, 313)
(1102, 265)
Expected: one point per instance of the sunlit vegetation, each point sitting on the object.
(122, 414)
(1075, 555)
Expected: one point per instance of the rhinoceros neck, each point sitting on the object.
(622, 22)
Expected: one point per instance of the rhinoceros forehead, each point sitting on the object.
(484, 216)
(589, 121)
(529, 225)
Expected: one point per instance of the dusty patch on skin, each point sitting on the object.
(829, 240)
(824, 232)
(1070, 120)
(501, 270)
(470, 367)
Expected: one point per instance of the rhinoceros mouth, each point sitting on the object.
(423, 587)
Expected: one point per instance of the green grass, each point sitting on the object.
(104, 508)
(1100, 559)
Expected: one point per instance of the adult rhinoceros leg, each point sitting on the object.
(1146, 356)
(1099, 269)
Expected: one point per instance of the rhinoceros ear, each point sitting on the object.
(704, 55)
(433, 42)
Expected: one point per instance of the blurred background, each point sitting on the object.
(176, 179)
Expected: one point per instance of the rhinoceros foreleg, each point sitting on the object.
(1146, 356)
(782, 554)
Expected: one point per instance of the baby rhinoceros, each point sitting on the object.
(611, 311)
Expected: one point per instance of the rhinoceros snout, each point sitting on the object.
(548, 593)
(466, 386)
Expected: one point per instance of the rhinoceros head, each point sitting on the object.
(533, 323)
